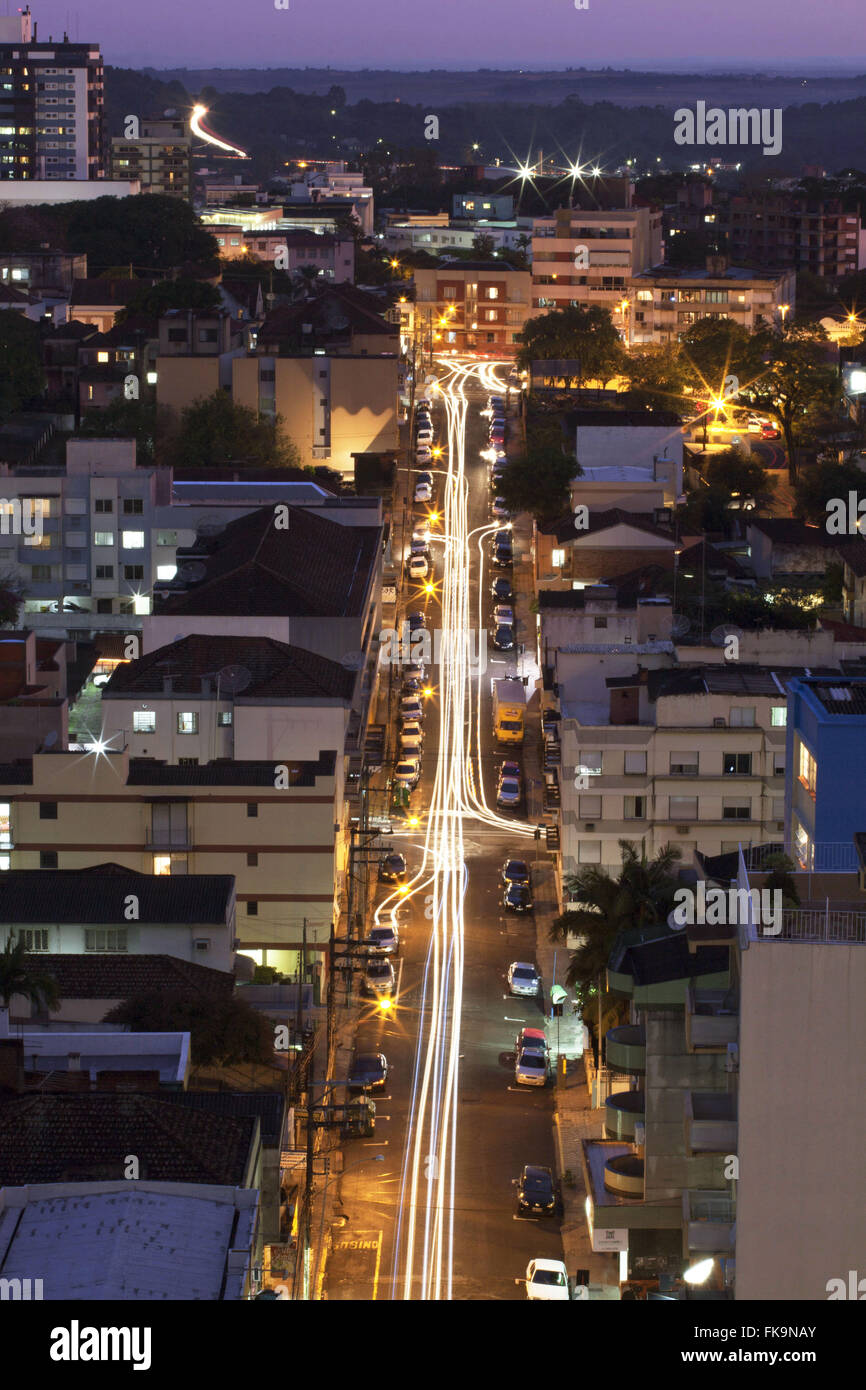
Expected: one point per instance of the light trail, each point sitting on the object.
(424, 1237)
(208, 136)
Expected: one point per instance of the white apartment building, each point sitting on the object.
(693, 757)
(665, 301)
(584, 257)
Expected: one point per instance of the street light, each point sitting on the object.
(373, 1158)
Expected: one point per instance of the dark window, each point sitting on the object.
(600, 622)
(252, 861)
(104, 605)
(737, 764)
(252, 909)
(133, 506)
(48, 859)
(252, 808)
(105, 571)
(103, 504)
(133, 571)
(48, 810)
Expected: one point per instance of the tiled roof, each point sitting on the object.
(314, 567)
(120, 977)
(97, 894)
(843, 632)
(333, 310)
(276, 670)
(108, 291)
(76, 1138)
(564, 528)
(268, 1105)
(785, 530)
(147, 772)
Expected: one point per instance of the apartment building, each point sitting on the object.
(693, 757)
(661, 304)
(853, 555)
(195, 354)
(440, 238)
(705, 1158)
(33, 689)
(825, 804)
(476, 305)
(159, 156)
(106, 910)
(792, 231)
(51, 105)
(590, 256)
(332, 255)
(47, 273)
(275, 827)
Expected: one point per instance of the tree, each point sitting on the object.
(641, 895)
(223, 1031)
(21, 974)
(796, 385)
(657, 377)
(539, 481)
(11, 598)
(736, 473)
(824, 483)
(483, 245)
(587, 337)
(781, 876)
(21, 375)
(215, 432)
(182, 293)
(714, 351)
(124, 419)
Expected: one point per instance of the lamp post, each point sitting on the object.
(373, 1158)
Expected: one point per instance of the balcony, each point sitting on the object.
(708, 1223)
(710, 1122)
(622, 1110)
(712, 1019)
(625, 1048)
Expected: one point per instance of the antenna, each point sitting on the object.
(680, 625)
(233, 679)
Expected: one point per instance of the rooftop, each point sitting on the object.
(97, 895)
(95, 976)
(270, 669)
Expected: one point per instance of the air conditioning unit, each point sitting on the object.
(732, 1060)
(589, 825)
(684, 830)
(201, 943)
(720, 723)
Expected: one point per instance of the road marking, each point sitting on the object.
(508, 1019)
(378, 1261)
(374, 1143)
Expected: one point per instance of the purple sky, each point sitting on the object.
(460, 33)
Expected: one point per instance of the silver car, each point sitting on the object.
(382, 941)
(523, 979)
(531, 1068)
(379, 979)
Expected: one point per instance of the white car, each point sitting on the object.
(503, 615)
(423, 492)
(411, 710)
(407, 773)
(379, 978)
(523, 979)
(530, 1069)
(547, 1281)
(418, 567)
(411, 740)
(424, 454)
(755, 424)
(423, 436)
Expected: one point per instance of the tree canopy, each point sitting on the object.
(587, 337)
(539, 480)
(21, 376)
(216, 432)
(223, 1032)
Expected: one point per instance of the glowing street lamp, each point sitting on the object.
(783, 310)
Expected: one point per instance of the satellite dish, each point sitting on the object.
(720, 635)
(49, 740)
(209, 524)
(234, 679)
(353, 661)
(680, 625)
(192, 571)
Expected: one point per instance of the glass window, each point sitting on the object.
(143, 721)
(133, 572)
(133, 540)
(491, 292)
(224, 718)
(166, 537)
(737, 764)
(48, 859)
(48, 810)
(5, 825)
(105, 939)
(742, 716)
(590, 762)
(778, 764)
(104, 571)
(635, 762)
(558, 559)
(736, 810)
(103, 504)
(133, 506)
(187, 722)
(684, 764)
(33, 939)
(808, 768)
(779, 716)
(634, 807)
(252, 808)
(103, 538)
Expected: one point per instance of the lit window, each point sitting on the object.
(133, 540)
(103, 538)
(779, 716)
(5, 825)
(187, 722)
(102, 357)
(105, 939)
(166, 572)
(808, 769)
(143, 721)
(558, 559)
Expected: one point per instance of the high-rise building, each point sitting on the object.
(160, 156)
(51, 105)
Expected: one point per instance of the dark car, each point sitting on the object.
(536, 1192)
(501, 589)
(392, 869)
(515, 871)
(503, 638)
(415, 621)
(425, 476)
(517, 898)
(368, 1072)
(503, 557)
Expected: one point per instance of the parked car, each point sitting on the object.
(382, 941)
(503, 555)
(368, 1072)
(411, 710)
(419, 547)
(500, 511)
(423, 493)
(407, 772)
(547, 1281)
(770, 431)
(517, 898)
(424, 476)
(416, 620)
(531, 1040)
(424, 454)
(379, 979)
(392, 869)
(530, 1069)
(523, 977)
(515, 870)
(503, 638)
(413, 670)
(501, 589)
(411, 740)
(503, 613)
(536, 1191)
(418, 567)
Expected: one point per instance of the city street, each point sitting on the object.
(437, 1219)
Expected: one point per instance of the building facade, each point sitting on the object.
(474, 305)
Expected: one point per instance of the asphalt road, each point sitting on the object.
(500, 1127)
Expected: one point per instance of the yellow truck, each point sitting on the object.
(509, 708)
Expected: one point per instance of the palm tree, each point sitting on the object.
(641, 895)
(16, 977)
